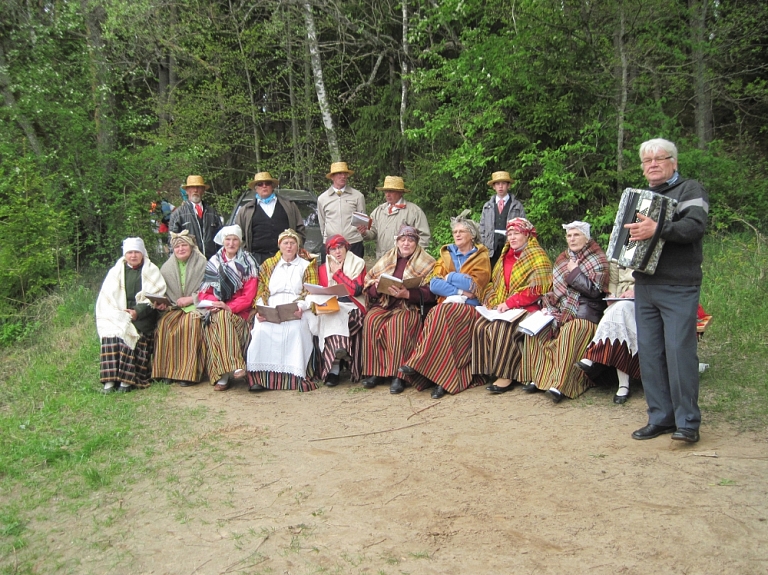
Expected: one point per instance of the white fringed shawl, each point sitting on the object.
(111, 318)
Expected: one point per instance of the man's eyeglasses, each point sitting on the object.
(649, 161)
(262, 184)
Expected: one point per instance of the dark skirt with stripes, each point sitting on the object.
(352, 345)
(121, 364)
(611, 344)
(225, 337)
(549, 362)
(497, 347)
(615, 354)
(389, 336)
(179, 347)
(283, 381)
(443, 354)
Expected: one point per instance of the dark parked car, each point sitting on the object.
(307, 204)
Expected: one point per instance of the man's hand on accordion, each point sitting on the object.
(642, 230)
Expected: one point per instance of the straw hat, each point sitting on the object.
(394, 184)
(195, 181)
(338, 168)
(262, 177)
(500, 177)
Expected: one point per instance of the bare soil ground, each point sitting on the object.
(468, 484)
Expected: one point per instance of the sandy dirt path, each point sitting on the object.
(472, 484)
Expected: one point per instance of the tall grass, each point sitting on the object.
(60, 439)
(735, 387)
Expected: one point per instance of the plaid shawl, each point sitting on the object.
(226, 282)
(532, 270)
(420, 265)
(268, 266)
(563, 301)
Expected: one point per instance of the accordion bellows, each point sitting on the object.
(640, 256)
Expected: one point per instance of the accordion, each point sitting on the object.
(642, 256)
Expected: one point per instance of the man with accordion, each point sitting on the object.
(666, 301)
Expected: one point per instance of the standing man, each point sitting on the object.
(336, 205)
(267, 216)
(202, 220)
(666, 302)
(496, 213)
(389, 217)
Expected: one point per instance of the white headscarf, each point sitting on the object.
(233, 230)
(583, 227)
(134, 245)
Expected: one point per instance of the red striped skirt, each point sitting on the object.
(282, 381)
(615, 354)
(121, 364)
(226, 338)
(389, 336)
(549, 362)
(497, 347)
(443, 354)
(179, 347)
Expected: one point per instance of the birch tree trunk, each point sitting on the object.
(702, 93)
(404, 70)
(317, 72)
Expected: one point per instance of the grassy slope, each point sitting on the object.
(61, 441)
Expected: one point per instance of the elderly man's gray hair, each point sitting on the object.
(653, 146)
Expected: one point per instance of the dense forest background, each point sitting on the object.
(107, 105)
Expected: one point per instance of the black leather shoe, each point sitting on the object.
(256, 387)
(407, 370)
(555, 395)
(332, 379)
(591, 371)
(108, 390)
(650, 431)
(187, 383)
(621, 399)
(438, 392)
(494, 389)
(397, 386)
(686, 434)
(124, 389)
(530, 387)
(373, 381)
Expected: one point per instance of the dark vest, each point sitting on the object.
(500, 223)
(266, 230)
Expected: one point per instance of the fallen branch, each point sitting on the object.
(198, 567)
(367, 432)
(372, 544)
(422, 409)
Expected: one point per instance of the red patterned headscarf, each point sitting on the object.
(336, 241)
(522, 226)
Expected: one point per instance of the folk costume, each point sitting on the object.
(279, 354)
(201, 220)
(392, 325)
(126, 344)
(443, 353)
(519, 279)
(576, 302)
(335, 209)
(225, 333)
(179, 335)
(495, 215)
(340, 333)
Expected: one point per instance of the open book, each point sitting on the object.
(361, 219)
(386, 280)
(158, 299)
(278, 314)
(535, 322)
(493, 315)
(338, 290)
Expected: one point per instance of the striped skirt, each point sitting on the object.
(179, 347)
(352, 345)
(615, 341)
(389, 336)
(497, 347)
(549, 362)
(283, 381)
(443, 354)
(119, 363)
(225, 338)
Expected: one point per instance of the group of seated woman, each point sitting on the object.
(422, 329)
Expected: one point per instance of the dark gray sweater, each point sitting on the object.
(681, 256)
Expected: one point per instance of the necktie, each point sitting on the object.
(394, 208)
(339, 192)
(199, 210)
(501, 205)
